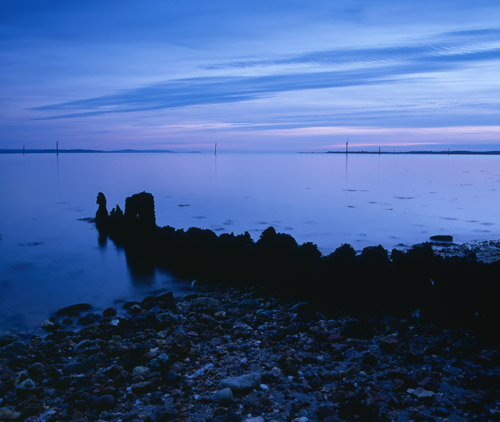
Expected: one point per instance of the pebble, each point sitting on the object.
(257, 361)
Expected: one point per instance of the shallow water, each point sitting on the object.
(49, 258)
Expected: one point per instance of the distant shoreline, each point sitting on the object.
(85, 151)
(161, 151)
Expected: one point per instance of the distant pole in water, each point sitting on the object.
(347, 147)
(215, 150)
(378, 150)
(448, 151)
(23, 149)
(57, 148)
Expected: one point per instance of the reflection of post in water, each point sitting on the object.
(346, 167)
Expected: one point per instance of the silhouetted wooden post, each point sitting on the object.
(378, 150)
(215, 151)
(347, 147)
(57, 148)
(23, 149)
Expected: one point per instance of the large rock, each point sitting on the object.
(242, 383)
(74, 310)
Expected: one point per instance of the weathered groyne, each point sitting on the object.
(457, 291)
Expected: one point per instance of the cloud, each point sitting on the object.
(443, 46)
(230, 89)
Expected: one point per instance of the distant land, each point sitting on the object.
(164, 151)
(84, 151)
(450, 152)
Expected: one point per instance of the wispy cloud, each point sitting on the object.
(231, 89)
(445, 46)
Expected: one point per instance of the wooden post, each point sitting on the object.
(378, 150)
(215, 151)
(57, 148)
(347, 147)
(23, 149)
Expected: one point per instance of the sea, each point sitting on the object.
(50, 256)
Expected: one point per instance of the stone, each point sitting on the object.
(146, 386)
(74, 310)
(26, 387)
(8, 414)
(14, 350)
(7, 338)
(47, 325)
(205, 304)
(242, 383)
(142, 371)
(255, 419)
(420, 393)
(224, 396)
(105, 402)
(160, 362)
(109, 312)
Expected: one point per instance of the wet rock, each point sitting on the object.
(74, 310)
(442, 238)
(254, 419)
(8, 414)
(14, 350)
(25, 388)
(205, 304)
(160, 363)
(224, 396)
(109, 312)
(146, 386)
(242, 383)
(142, 371)
(420, 393)
(104, 402)
(7, 338)
(36, 371)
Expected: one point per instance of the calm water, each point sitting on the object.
(49, 258)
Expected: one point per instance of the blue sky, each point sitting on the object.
(261, 75)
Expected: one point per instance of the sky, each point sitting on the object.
(260, 75)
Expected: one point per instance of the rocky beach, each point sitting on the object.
(227, 354)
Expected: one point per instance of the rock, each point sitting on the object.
(84, 345)
(109, 312)
(249, 304)
(204, 304)
(8, 414)
(36, 370)
(160, 363)
(146, 386)
(224, 396)
(14, 350)
(335, 338)
(171, 377)
(142, 371)
(7, 338)
(255, 419)
(47, 325)
(442, 238)
(420, 392)
(25, 388)
(242, 383)
(74, 310)
(105, 402)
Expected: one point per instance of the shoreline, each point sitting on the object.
(242, 354)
